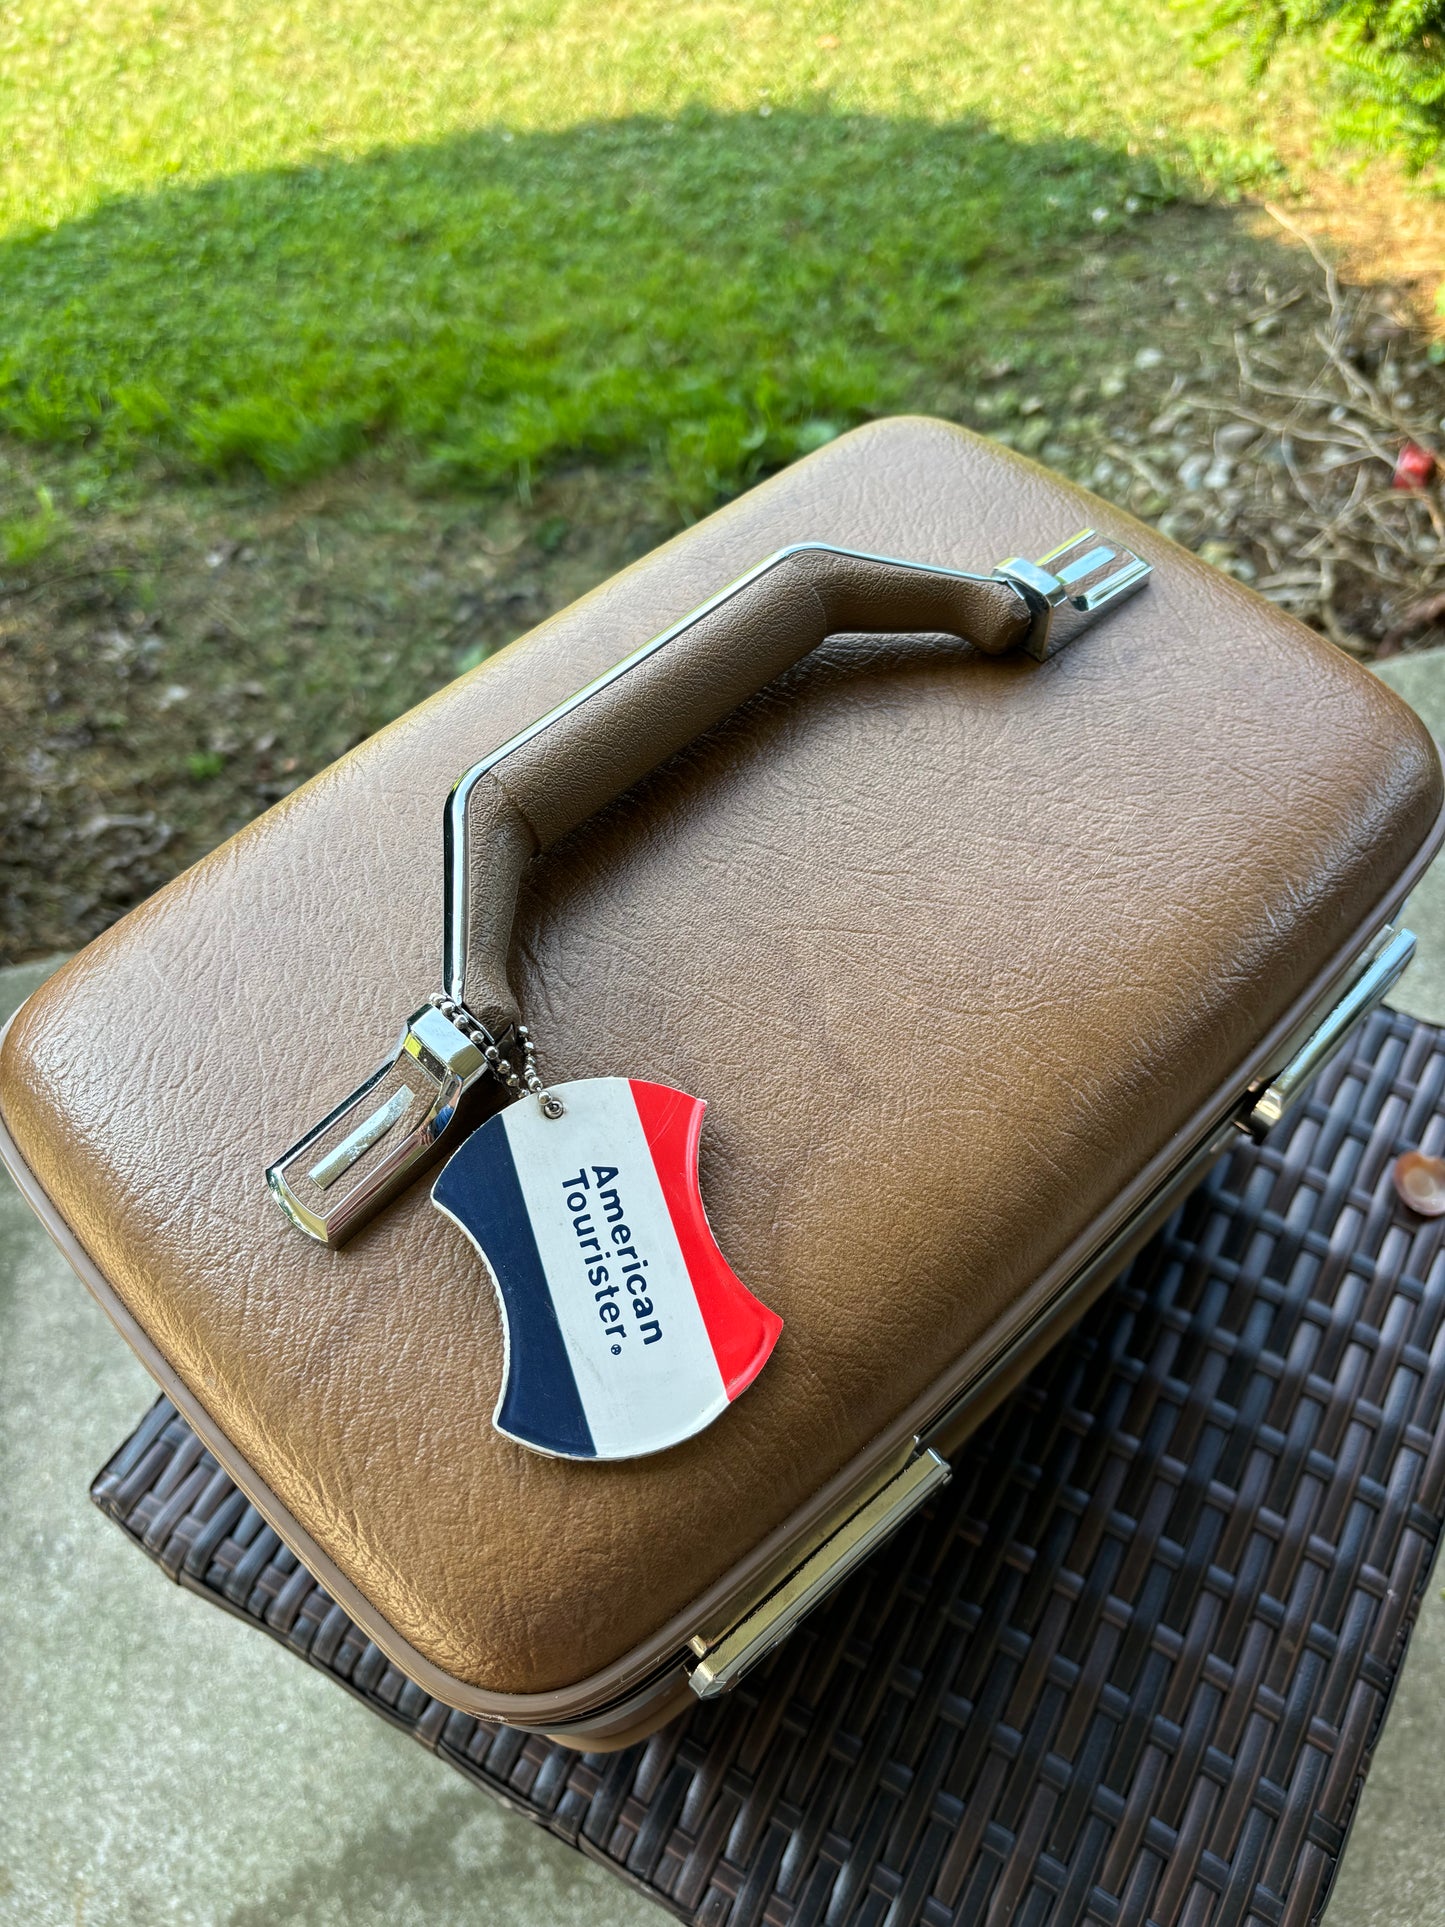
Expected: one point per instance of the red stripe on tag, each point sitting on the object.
(740, 1328)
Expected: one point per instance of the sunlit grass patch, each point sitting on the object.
(718, 293)
(491, 238)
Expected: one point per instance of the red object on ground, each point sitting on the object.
(1420, 1181)
(1414, 466)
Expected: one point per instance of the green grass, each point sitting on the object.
(492, 237)
(24, 538)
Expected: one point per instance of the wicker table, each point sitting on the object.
(1130, 1668)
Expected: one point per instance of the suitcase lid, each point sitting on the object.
(959, 950)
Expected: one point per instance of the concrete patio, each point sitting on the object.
(160, 1764)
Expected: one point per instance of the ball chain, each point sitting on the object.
(502, 1068)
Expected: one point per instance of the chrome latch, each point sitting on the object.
(726, 1653)
(1275, 1097)
(1071, 587)
(356, 1159)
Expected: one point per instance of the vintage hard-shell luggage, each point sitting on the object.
(984, 904)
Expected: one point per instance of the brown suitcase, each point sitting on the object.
(980, 949)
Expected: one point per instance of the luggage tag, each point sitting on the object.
(626, 1330)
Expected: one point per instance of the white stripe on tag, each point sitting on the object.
(638, 1396)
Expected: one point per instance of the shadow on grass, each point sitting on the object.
(721, 293)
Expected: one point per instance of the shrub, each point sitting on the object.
(1389, 54)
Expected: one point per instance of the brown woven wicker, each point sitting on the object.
(1132, 1666)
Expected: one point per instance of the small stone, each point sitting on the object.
(1232, 438)
(1149, 358)
(1220, 473)
(1192, 471)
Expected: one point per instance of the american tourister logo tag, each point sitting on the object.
(626, 1329)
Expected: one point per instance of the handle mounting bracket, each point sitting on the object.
(1071, 587)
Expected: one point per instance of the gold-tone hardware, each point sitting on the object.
(722, 1662)
(1272, 1098)
(1071, 587)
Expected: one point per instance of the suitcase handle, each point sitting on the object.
(525, 796)
(556, 773)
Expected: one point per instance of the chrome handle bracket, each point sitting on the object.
(1070, 587)
(400, 1120)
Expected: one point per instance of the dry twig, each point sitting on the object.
(1298, 496)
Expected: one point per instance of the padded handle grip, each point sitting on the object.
(522, 799)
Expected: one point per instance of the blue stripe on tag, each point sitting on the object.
(540, 1403)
